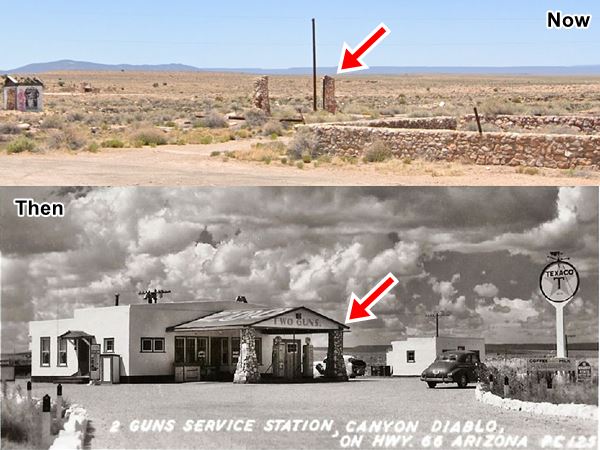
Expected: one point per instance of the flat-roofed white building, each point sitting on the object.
(409, 357)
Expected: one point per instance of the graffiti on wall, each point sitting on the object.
(29, 98)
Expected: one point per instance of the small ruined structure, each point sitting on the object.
(261, 94)
(329, 103)
(22, 93)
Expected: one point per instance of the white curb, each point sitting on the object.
(544, 408)
(73, 434)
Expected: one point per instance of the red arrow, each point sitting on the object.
(351, 60)
(361, 310)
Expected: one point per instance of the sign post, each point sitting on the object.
(559, 282)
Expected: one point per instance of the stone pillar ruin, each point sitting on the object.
(261, 94)
(246, 371)
(329, 103)
(336, 367)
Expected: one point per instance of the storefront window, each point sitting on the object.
(62, 352)
(202, 350)
(235, 350)
(190, 350)
(224, 351)
(179, 350)
(258, 347)
(45, 351)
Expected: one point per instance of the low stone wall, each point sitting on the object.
(421, 123)
(548, 409)
(538, 150)
(584, 124)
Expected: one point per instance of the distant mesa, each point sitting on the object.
(70, 65)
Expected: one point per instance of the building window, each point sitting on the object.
(153, 345)
(159, 345)
(202, 350)
(109, 345)
(62, 351)
(461, 347)
(190, 350)
(179, 350)
(235, 350)
(225, 351)
(410, 356)
(258, 347)
(44, 351)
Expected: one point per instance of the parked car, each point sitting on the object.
(460, 367)
(354, 367)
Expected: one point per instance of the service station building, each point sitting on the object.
(186, 341)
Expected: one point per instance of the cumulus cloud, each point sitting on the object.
(451, 248)
(486, 290)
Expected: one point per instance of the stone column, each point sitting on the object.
(246, 370)
(336, 368)
(329, 103)
(261, 94)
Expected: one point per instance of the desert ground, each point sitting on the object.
(152, 128)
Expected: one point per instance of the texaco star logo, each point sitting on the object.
(559, 281)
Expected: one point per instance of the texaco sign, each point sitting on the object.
(559, 281)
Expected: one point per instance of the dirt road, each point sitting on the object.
(193, 165)
(117, 411)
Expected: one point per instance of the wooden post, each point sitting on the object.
(506, 387)
(314, 45)
(59, 401)
(46, 419)
(478, 120)
(491, 382)
(29, 391)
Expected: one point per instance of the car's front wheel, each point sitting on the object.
(431, 384)
(462, 381)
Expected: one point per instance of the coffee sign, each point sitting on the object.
(559, 281)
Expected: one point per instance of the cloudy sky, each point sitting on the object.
(475, 252)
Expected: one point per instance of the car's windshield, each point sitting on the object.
(447, 358)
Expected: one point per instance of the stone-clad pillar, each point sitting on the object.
(261, 94)
(329, 103)
(336, 368)
(246, 370)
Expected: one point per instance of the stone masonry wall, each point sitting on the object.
(421, 123)
(329, 103)
(585, 124)
(336, 367)
(246, 370)
(528, 149)
(261, 94)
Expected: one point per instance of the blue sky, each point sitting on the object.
(276, 34)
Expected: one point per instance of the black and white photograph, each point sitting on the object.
(306, 317)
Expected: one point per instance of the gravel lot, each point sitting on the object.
(396, 399)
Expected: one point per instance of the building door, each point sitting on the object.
(292, 359)
(83, 357)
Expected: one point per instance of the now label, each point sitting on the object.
(557, 19)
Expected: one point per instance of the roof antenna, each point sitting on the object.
(153, 296)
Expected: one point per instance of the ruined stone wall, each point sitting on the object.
(261, 94)
(528, 149)
(584, 124)
(422, 123)
(329, 103)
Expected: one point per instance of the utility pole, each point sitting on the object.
(314, 45)
(153, 296)
(437, 315)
